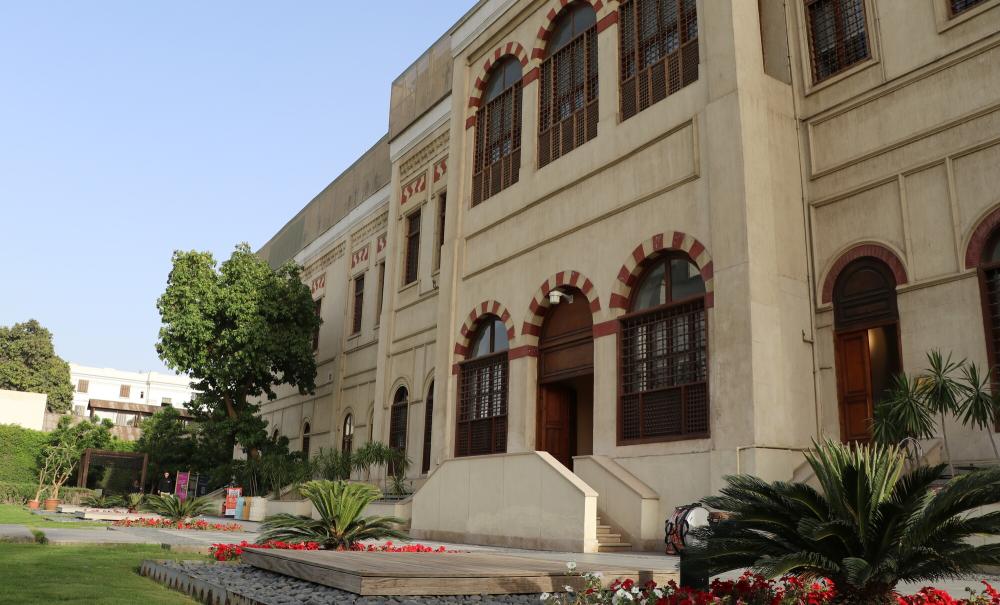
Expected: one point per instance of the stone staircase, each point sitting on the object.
(608, 540)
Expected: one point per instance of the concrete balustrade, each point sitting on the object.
(522, 500)
(625, 502)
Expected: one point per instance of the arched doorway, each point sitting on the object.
(867, 346)
(566, 379)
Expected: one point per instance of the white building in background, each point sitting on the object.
(126, 398)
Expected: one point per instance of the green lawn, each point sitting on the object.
(19, 515)
(33, 573)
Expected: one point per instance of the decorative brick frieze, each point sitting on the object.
(468, 329)
(514, 49)
(869, 250)
(531, 330)
(980, 236)
(628, 274)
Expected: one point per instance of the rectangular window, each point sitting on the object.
(82, 386)
(838, 35)
(412, 248)
(124, 390)
(379, 296)
(497, 160)
(359, 303)
(569, 101)
(442, 209)
(317, 308)
(960, 6)
(659, 51)
(664, 374)
(482, 406)
(166, 401)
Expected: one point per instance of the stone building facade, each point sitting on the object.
(615, 250)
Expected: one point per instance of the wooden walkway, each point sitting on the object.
(431, 574)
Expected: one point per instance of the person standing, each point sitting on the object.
(166, 485)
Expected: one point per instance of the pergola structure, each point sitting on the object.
(129, 460)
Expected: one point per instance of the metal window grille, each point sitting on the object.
(497, 160)
(347, 441)
(425, 463)
(569, 100)
(482, 406)
(991, 285)
(838, 35)
(659, 51)
(664, 373)
(82, 386)
(381, 296)
(124, 390)
(397, 425)
(442, 209)
(960, 6)
(359, 303)
(412, 247)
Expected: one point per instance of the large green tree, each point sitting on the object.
(239, 329)
(28, 362)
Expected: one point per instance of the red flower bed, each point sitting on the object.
(167, 524)
(933, 596)
(232, 552)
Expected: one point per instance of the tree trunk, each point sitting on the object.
(947, 450)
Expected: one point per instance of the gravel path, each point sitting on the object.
(277, 589)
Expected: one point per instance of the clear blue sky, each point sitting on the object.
(131, 129)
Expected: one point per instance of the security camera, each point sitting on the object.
(555, 296)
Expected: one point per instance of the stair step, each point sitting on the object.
(601, 528)
(615, 547)
(609, 537)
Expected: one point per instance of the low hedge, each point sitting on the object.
(21, 493)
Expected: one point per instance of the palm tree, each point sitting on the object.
(871, 527)
(941, 393)
(177, 510)
(340, 524)
(977, 406)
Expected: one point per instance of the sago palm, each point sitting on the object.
(175, 509)
(871, 527)
(340, 523)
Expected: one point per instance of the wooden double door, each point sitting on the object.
(867, 360)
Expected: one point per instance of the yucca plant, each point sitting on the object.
(978, 407)
(340, 523)
(135, 501)
(903, 413)
(941, 393)
(175, 509)
(871, 527)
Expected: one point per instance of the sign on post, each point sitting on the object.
(181, 485)
(232, 494)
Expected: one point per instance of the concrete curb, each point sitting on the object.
(199, 590)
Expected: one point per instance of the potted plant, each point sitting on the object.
(43, 476)
(63, 460)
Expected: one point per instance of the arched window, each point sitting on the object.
(347, 441)
(659, 50)
(274, 435)
(425, 464)
(989, 286)
(663, 350)
(305, 439)
(497, 160)
(567, 115)
(482, 392)
(397, 420)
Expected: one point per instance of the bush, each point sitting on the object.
(16, 493)
(21, 448)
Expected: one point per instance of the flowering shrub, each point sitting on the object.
(232, 552)
(933, 596)
(155, 523)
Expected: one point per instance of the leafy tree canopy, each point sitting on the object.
(28, 362)
(239, 329)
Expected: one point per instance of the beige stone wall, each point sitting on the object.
(901, 152)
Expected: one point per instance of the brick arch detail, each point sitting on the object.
(606, 15)
(670, 241)
(507, 49)
(866, 250)
(531, 330)
(980, 235)
(468, 329)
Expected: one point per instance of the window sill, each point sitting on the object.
(409, 286)
(946, 21)
(813, 87)
(654, 440)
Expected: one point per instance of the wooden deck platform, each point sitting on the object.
(432, 574)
